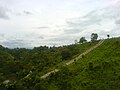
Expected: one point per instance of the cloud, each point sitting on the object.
(21, 13)
(101, 21)
(13, 41)
(22, 41)
(16, 43)
(2, 35)
(43, 27)
(63, 39)
(3, 13)
(34, 36)
(81, 24)
(27, 12)
(117, 22)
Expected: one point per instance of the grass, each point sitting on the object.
(80, 47)
(98, 70)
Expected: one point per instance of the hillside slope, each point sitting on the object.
(98, 70)
(23, 67)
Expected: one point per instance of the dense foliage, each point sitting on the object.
(22, 68)
(98, 70)
(94, 36)
(82, 40)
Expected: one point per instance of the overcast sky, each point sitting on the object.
(29, 23)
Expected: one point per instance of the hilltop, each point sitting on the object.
(98, 70)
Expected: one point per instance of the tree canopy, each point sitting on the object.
(94, 36)
(82, 40)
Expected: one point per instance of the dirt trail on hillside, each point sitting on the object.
(75, 59)
(86, 52)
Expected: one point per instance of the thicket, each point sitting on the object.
(98, 70)
(23, 67)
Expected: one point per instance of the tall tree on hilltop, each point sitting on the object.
(82, 40)
(94, 36)
(76, 41)
(108, 35)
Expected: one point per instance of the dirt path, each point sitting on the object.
(75, 59)
(86, 52)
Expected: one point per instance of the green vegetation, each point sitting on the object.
(82, 40)
(23, 66)
(94, 36)
(98, 70)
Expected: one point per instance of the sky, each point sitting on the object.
(31, 23)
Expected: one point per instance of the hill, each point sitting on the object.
(16, 64)
(99, 69)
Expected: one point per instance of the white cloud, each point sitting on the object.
(100, 20)
(56, 22)
(3, 13)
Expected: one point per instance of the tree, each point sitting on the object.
(82, 40)
(108, 35)
(76, 41)
(94, 36)
(65, 54)
(40, 86)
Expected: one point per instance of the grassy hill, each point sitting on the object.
(98, 70)
(16, 64)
